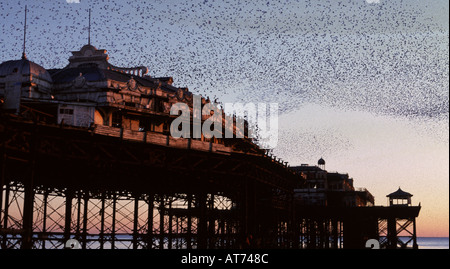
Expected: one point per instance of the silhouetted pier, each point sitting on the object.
(151, 191)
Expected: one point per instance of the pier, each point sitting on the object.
(108, 191)
(86, 154)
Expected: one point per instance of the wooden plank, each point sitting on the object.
(178, 142)
(199, 145)
(155, 138)
(133, 135)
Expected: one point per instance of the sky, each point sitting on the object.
(363, 84)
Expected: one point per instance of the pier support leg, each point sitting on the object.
(202, 222)
(44, 220)
(161, 222)
(6, 214)
(2, 178)
(415, 246)
(78, 228)
(135, 222)
(113, 224)
(211, 223)
(68, 215)
(170, 224)
(28, 205)
(334, 224)
(189, 222)
(85, 219)
(28, 211)
(102, 221)
(392, 233)
(248, 212)
(150, 221)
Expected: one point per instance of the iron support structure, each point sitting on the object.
(60, 183)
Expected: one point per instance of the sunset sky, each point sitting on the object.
(363, 84)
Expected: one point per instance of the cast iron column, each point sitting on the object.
(27, 227)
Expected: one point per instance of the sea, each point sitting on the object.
(433, 242)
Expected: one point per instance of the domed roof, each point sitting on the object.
(321, 162)
(24, 67)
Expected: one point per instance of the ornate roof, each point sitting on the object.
(89, 54)
(93, 64)
(399, 194)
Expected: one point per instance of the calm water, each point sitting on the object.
(433, 242)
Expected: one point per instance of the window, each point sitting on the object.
(67, 111)
(116, 119)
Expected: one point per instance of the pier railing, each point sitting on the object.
(182, 143)
(162, 139)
